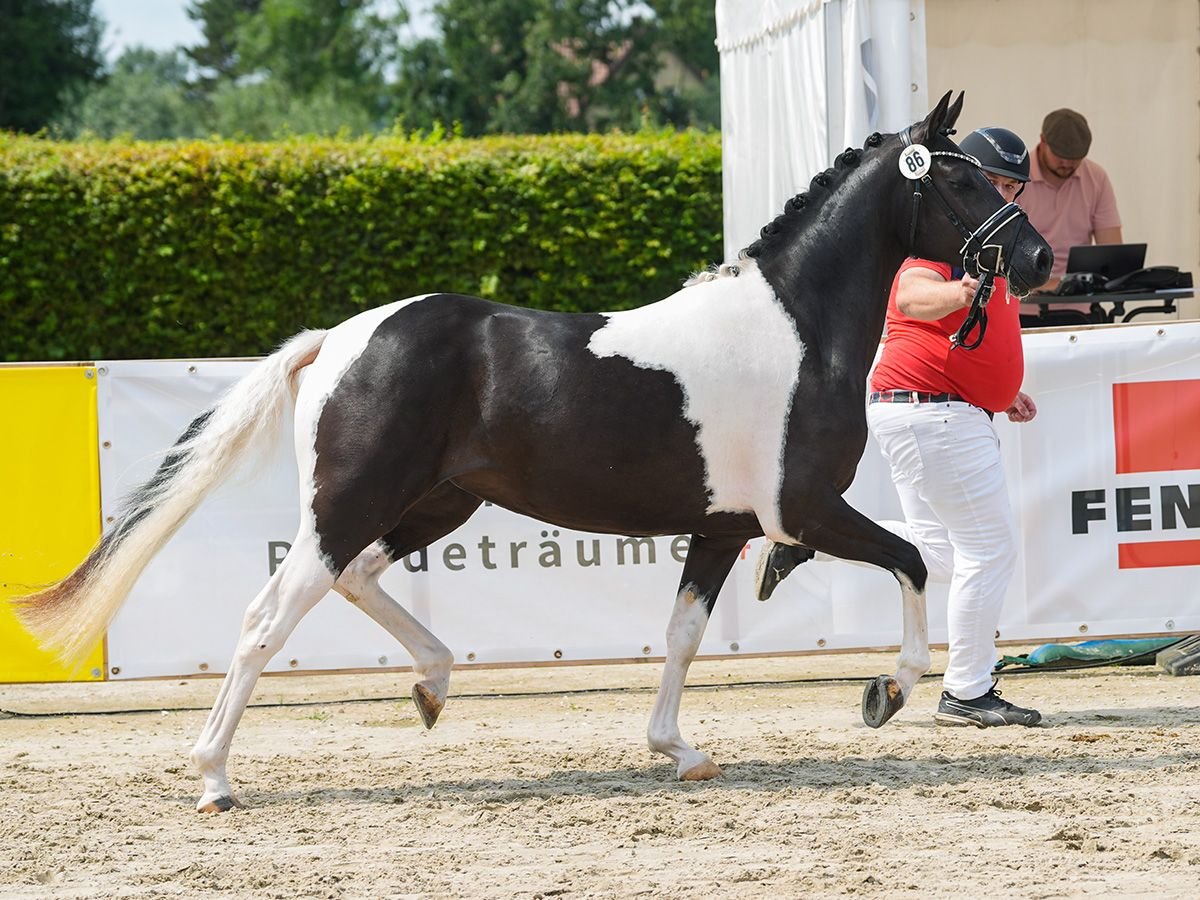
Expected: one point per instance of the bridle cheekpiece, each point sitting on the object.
(982, 257)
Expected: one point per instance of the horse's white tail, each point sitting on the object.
(70, 616)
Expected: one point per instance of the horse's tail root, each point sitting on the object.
(69, 617)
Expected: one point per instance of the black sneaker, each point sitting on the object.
(775, 563)
(984, 712)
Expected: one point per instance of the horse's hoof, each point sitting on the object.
(882, 699)
(775, 563)
(220, 805)
(701, 772)
(427, 703)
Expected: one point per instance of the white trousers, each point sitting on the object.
(945, 461)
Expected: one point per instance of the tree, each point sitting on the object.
(219, 21)
(49, 51)
(296, 64)
(266, 110)
(561, 65)
(532, 66)
(146, 96)
(308, 44)
(688, 31)
(688, 28)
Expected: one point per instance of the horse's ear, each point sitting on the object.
(952, 114)
(935, 121)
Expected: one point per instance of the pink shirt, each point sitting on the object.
(1070, 214)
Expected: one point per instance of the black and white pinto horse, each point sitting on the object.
(732, 409)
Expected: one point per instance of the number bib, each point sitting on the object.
(914, 162)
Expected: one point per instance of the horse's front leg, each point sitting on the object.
(830, 525)
(708, 563)
(885, 694)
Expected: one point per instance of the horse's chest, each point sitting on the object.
(735, 355)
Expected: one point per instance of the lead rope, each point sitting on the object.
(976, 315)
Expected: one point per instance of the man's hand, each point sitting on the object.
(969, 287)
(926, 295)
(1023, 408)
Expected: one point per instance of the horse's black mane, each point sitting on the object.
(826, 181)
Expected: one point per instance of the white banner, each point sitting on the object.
(1109, 504)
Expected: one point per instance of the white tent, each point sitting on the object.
(800, 82)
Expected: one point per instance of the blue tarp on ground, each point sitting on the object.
(1115, 651)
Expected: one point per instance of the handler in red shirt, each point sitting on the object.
(928, 305)
(931, 411)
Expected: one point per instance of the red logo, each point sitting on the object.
(1156, 425)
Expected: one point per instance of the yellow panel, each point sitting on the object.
(49, 502)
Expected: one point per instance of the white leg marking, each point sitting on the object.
(293, 590)
(914, 646)
(688, 621)
(432, 660)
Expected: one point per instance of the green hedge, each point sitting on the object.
(126, 250)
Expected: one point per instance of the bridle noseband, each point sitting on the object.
(976, 244)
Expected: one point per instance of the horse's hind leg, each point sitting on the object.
(433, 517)
(708, 563)
(297, 585)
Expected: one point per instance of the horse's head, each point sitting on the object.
(951, 213)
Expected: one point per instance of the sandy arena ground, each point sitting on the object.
(547, 794)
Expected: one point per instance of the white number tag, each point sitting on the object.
(914, 162)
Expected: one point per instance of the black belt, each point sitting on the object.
(920, 397)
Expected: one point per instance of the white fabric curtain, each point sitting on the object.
(802, 80)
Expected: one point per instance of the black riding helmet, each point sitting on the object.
(999, 151)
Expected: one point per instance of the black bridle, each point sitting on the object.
(981, 257)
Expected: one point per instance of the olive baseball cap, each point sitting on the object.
(1067, 134)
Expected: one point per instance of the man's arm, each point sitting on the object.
(924, 294)
(1106, 220)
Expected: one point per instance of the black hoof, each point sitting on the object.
(776, 564)
(882, 699)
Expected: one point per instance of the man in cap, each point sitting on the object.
(1069, 198)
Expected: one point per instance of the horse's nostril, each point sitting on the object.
(1044, 260)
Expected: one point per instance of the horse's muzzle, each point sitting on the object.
(1031, 263)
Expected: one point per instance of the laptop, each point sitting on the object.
(1109, 261)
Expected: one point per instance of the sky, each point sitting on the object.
(158, 24)
(163, 24)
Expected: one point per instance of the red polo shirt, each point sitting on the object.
(917, 355)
